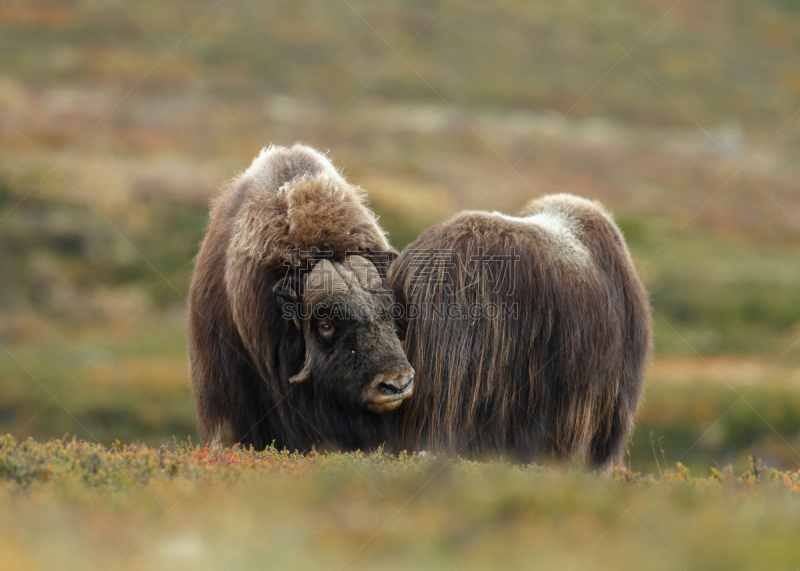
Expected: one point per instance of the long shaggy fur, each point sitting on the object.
(242, 351)
(560, 375)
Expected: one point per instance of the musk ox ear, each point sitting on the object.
(285, 291)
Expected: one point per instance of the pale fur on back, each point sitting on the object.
(557, 220)
(558, 227)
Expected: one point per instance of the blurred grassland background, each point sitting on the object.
(121, 119)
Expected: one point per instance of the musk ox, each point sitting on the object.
(291, 338)
(529, 335)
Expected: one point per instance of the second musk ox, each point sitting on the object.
(529, 335)
(291, 338)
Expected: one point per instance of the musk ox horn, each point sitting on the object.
(322, 281)
(365, 272)
(305, 373)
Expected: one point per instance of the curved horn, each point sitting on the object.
(321, 282)
(305, 372)
(366, 273)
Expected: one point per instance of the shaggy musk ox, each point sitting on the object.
(291, 339)
(529, 335)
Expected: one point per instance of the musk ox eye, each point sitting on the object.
(326, 329)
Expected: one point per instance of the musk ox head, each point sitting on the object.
(352, 352)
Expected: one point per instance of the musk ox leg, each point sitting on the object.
(223, 436)
(608, 446)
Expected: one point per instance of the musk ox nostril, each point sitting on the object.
(397, 386)
(394, 384)
(390, 388)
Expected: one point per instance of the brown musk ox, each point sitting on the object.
(529, 335)
(291, 339)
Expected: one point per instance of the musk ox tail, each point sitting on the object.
(529, 334)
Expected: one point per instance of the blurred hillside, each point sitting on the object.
(120, 121)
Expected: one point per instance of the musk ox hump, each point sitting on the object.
(294, 199)
(275, 166)
(556, 228)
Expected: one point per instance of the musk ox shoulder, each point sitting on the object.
(529, 334)
(290, 335)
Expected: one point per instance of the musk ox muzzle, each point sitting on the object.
(388, 390)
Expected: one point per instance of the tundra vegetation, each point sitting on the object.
(73, 505)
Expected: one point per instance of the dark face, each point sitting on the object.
(353, 354)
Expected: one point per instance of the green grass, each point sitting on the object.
(77, 505)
